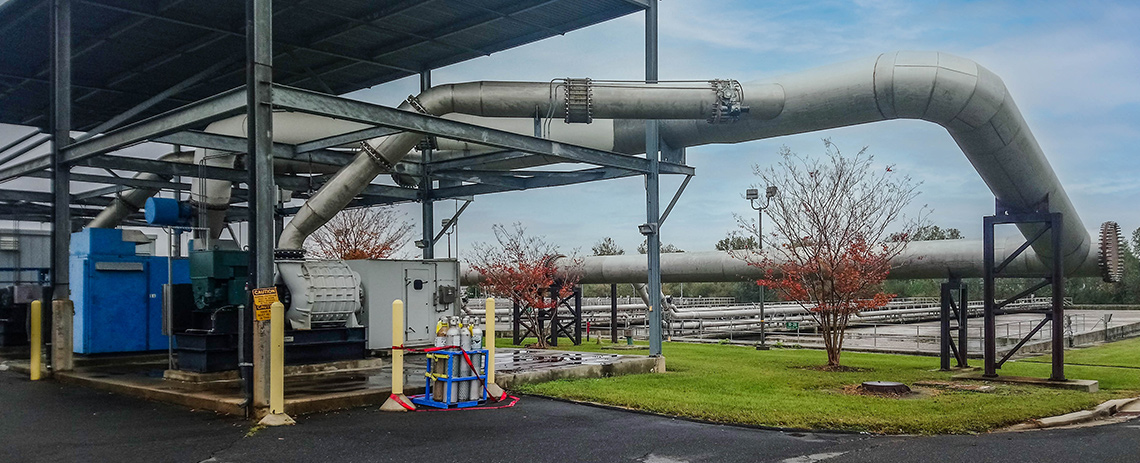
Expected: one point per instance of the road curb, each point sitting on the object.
(1099, 412)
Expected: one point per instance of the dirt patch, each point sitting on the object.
(915, 393)
(835, 368)
(947, 385)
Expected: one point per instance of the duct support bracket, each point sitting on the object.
(1051, 223)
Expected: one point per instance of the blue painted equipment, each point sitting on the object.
(167, 212)
(117, 294)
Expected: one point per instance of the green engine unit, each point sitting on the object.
(219, 278)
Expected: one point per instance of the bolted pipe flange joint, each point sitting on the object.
(289, 254)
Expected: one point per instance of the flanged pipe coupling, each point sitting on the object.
(289, 254)
(729, 104)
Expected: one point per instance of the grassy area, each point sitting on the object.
(741, 385)
(1124, 353)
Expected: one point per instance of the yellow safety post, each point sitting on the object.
(493, 390)
(397, 401)
(277, 416)
(37, 338)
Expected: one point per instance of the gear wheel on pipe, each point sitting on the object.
(1109, 257)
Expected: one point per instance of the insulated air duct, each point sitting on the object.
(130, 201)
(717, 102)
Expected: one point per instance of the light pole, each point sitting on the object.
(753, 195)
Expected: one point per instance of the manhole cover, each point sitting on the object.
(885, 387)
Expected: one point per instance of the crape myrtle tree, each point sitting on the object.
(362, 233)
(521, 268)
(838, 221)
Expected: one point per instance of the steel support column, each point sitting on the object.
(263, 192)
(1050, 223)
(989, 347)
(652, 188)
(1058, 313)
(427, 206)
(62, 308)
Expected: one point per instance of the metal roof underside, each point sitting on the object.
(125, 51)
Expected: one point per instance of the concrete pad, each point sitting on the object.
(396, 403)
(1084, 385)
(277, 419)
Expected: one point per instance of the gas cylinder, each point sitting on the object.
(453, 340)
(477, 360)
(439, 368)
(464, 368)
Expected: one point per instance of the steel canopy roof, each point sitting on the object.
(125, 51)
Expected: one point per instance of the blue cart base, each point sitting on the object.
(450, 379)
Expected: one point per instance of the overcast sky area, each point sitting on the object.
(1072, 68)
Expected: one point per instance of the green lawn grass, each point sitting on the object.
(1124, 353)
(741, 385)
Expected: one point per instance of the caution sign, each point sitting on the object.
(263, 298)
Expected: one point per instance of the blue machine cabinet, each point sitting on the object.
(117, 294)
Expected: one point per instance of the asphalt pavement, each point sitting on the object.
(49, 422)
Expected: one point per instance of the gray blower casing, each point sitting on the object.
(323, 293)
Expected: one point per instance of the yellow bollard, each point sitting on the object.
(277, 358)
(397, 341)
(494, 391)
(37, 338)
(277, 416)
(397, 401)
(489, 337)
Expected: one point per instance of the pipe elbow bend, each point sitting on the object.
(954, 92)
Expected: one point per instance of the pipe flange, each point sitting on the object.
(376, 156)
(579, 101)
(414, 102)
(1109, 258)
(729, 105)
(289, 254)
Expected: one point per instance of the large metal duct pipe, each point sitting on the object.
(213, 196)
(967, 99)
(298, 128)
(130, 201)
(921, 259)
(508, 99)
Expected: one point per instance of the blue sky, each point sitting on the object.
(1071, 66)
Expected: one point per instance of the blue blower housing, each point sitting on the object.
(167, 212)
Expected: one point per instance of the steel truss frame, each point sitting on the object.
(955, 303)
(464, 175)
(1049, 223)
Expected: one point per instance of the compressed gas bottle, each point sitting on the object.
(477, 360)
(441, 332)
(453, 340)
(464, 368)
(439, 367)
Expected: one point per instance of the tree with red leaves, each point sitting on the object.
(522, 268)
(362, 233)
(839, 222)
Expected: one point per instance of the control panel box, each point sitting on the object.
(429, 289)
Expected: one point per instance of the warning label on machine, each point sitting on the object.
(262, 299)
